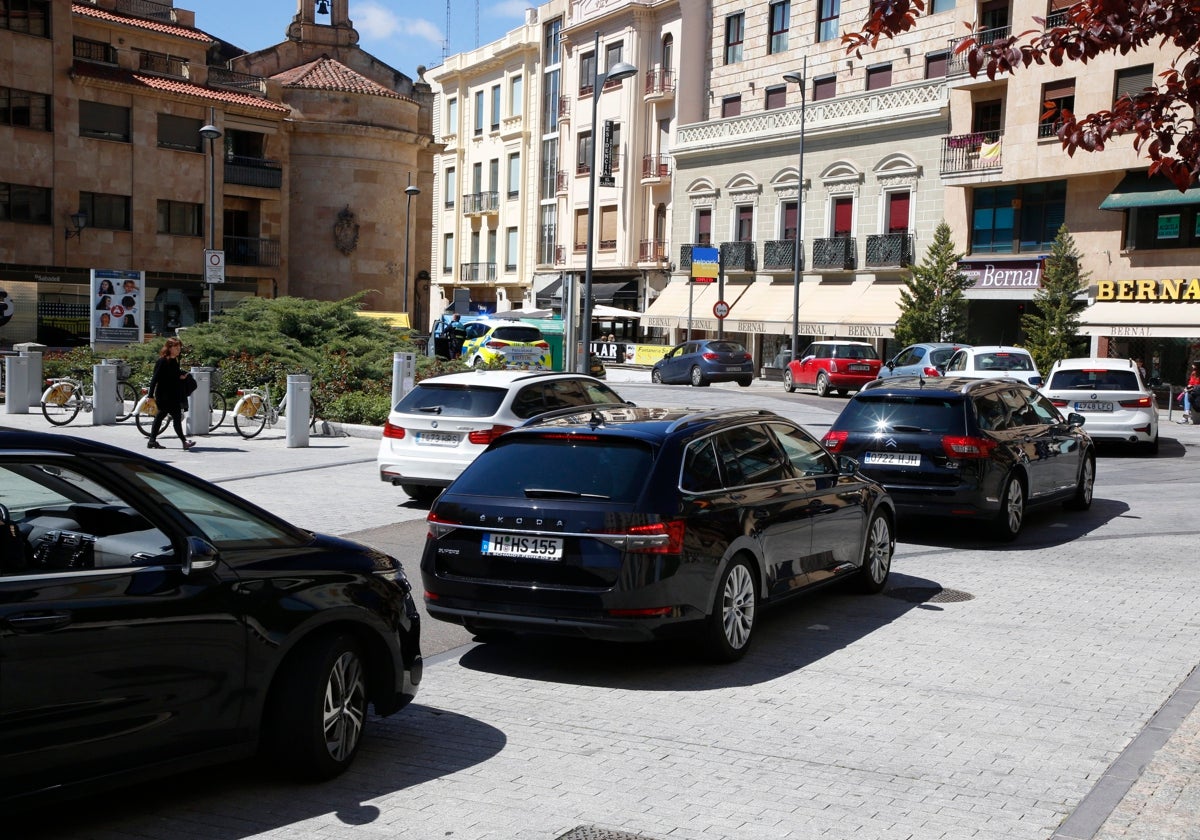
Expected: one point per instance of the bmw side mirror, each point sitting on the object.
(1075, 420)
(847, 465)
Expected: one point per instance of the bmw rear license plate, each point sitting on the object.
(893, 459)
(1093, 406)
(522, 547)
(437, 439)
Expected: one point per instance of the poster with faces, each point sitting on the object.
(118, 306)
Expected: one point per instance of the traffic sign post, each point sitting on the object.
(214, 266)
(721, 309)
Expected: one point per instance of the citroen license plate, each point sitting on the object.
(523, 547)
(1093, 406)
(893, 459)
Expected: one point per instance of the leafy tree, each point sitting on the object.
(1052, 330)
(1161, 118)
(932, 305)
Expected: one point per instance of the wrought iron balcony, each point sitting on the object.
(162, 12)
(836, 253)
(253, 172)
(780, 255)
(984, 37)
(248, 250)
(560, 181)
(232, 79)
(476, 204)
(560, 254)
(479, 272)
(652, 251)
(564, 106)
(163, 64)
(889, 250)
(660, 83)
(655, 167)
(971, 152)
(685, 254)
(738, 256)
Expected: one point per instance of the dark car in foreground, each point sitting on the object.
(704, 361)
(967, 448)
(634, 523)
(151, 622)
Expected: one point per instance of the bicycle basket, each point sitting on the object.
(250, 405)
(60, 393)
(149, 406)
(215, 380)
(124, 369)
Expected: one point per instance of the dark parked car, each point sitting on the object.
(705, 361)
(967, 448)
(151, 622)
(632, 523)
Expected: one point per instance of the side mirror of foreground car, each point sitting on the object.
(847, 465)
(1074, 419)
(201, 554)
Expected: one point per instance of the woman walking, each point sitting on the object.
(166, 387)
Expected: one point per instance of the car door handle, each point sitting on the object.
(39, 621)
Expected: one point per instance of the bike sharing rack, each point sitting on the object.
(199, 416)
(104, 393)
(299, 399)
(23, 378)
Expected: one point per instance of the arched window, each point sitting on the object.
(668, 47)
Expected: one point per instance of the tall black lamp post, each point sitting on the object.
(619, 71)
(798, 79)
(409, 191)
(210, 133)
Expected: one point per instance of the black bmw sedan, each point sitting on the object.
(632, 523)
(152, 622)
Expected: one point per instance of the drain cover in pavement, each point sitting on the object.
(928, 595)
(595, 832)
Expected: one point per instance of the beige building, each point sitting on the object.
(101, 108)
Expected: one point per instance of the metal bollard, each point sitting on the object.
(404, 370)
(200, 403)
(37, 384)
(16, 388)
(299, 399)
(104, 395)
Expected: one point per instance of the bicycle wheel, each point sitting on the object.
(60, 403)
(249, 415)
(219, 409)
(143, 414)
(127, 397)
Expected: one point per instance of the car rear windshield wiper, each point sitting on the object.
(547, 493)
(901, 427)
(431, 409)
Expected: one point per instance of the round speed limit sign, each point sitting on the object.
(721, 309)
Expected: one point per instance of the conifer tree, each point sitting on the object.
(1053, 327)
(932, 306)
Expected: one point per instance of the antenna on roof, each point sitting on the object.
(446, 40)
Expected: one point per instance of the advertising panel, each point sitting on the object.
(118, 306)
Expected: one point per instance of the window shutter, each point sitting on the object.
(898, 212)
(843, 211)
(1133, 80)
(936, 65)
(879, 77)
(608, 224)
(1058, 90)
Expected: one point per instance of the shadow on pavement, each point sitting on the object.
(789, 637)
(233, 801)
(1044, 527)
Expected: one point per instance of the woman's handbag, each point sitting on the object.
(187, 385)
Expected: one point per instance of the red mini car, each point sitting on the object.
(827, 366)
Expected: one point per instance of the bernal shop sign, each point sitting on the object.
(997, 275)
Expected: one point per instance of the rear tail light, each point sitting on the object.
(1060, 403)
(746, 357)
(486, 436)
(541, 345)
(932, 371)
(390, 431)
(439, 526)
(1140, 402)
(834, 441)
(651, 612)
(656, 538)
(833, 368)
(496, 345)
(959, 447)
(710, 357)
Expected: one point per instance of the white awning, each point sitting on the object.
(670, 309)
(1157, 319)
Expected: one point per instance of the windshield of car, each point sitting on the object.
(941, 355)
(725, 347)
(452, 400)
(1094, 380)
(518, 334)
(903, 413)
(854, 351)
(1003, 361)
(559, 466)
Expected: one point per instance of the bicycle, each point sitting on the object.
(254, 411)
(143, 413)
(66, 396)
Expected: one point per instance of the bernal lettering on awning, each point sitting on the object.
(1148, 290)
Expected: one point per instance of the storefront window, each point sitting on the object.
(1163, 227)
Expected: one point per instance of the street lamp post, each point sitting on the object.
(799, 80)
(619, 71)
(409, 191)
(210, 133)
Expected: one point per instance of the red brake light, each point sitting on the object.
(438, 526)
(390, 431)
(960, 447)
(931, 371)
(486, 436)
(541, 345)
(1140, 402)
(647, 539)
(1059, 403)
(835, 440)
(496, 345)
(710, 357)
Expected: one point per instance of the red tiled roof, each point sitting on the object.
(141, 23)
(327, 74)
(116, 74)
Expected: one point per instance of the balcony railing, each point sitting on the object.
(983, 38)
(253, 172)
(232, 79)
(653, 250)
(835, 253)
(889, 250)
(163, 64)
(247, 250)
(479, 272)
(656, 166)
(739, 256)
(564, 107)
(162, 12)
(561, 181)
(780, 255)
(660, 82)
(1049, 128)
(475, 204)
(971, 152)
(94, 51)
(560, 255)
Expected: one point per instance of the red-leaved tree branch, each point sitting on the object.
(1162, 118)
